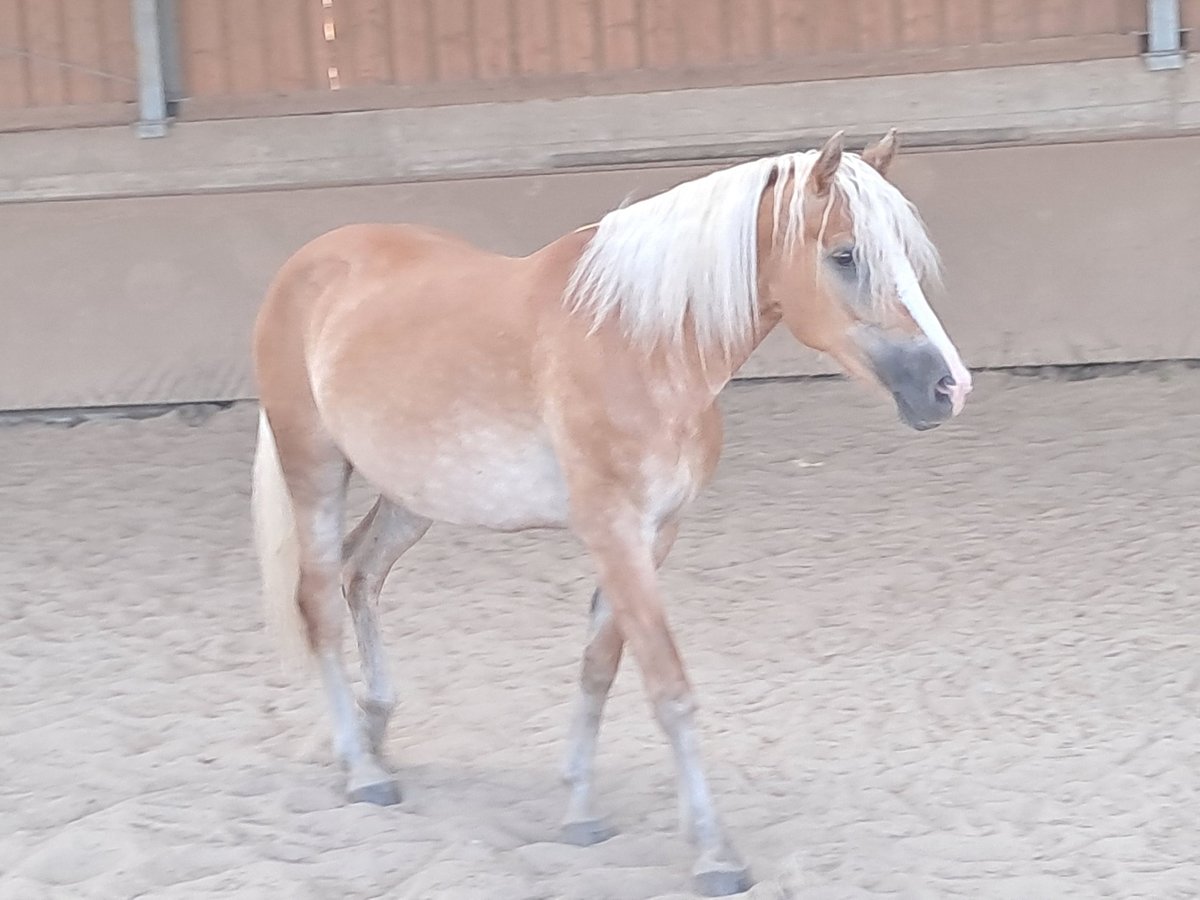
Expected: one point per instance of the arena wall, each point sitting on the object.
(1058, 171)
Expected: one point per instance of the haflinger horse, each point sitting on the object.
(575, 387)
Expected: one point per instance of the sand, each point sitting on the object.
(961, 664)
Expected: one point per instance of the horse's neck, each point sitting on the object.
(688, 365)
(715, 367)
(765, 323)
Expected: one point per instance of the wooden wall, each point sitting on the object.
(340, 54)
(65, 62)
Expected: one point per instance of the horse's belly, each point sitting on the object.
(492, 479)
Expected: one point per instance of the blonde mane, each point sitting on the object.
(692, 251)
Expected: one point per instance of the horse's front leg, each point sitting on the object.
(626, 560)
(601, 659)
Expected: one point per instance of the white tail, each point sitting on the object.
(278, 551)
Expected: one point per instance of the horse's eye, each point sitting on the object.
(844, 259)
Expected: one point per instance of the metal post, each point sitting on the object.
(152, 89)
(1164, 49)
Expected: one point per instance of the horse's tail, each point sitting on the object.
(278, 550)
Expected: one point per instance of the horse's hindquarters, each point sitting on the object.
(420, 363)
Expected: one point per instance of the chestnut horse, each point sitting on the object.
(575, 387)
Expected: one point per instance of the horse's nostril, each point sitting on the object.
(945, 386)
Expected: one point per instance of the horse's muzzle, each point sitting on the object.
(916, 375)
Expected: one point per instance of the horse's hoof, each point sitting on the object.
(588, 833)
(381, 793)
(722, 882)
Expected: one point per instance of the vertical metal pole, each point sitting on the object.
(1163, 47)
(152, 90)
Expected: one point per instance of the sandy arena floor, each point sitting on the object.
(963, 664)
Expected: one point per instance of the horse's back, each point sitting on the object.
(394, 243)
(369, 251)
(350, 275)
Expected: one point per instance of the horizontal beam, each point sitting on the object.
(1022, 105)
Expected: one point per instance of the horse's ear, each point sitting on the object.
(880, 155)
(820, 178)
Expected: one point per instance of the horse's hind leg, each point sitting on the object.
(369, 554)
(316, 475)
(601, 659)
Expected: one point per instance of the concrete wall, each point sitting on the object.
(1004, 106)
(1063, 197)
(1055, 254)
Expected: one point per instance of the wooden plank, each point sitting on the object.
(966, 23)
(660, 24)
(91, 115)
(1012, 20)
(494, 39)
(1131, 16)
(835, 27)
(801, 69)
(704, 39)
(120, 58)
(340, 18)
(620, 35)
(44, 40)
(246, 45)
(578, 35)
(412, 42)
(289, 67)
(1057, 18)
(81, 23)
(363, 41)
(14, 70)
(453, 53)
(202, 48)
(537, 53)
(1098, 17)
(921, 24)
(878, 25)
(1190, 16)
(792, 29)
(323, 54)
(747, 25)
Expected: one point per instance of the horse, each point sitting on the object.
(575, 387)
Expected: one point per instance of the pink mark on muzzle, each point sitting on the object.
(956, 387)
